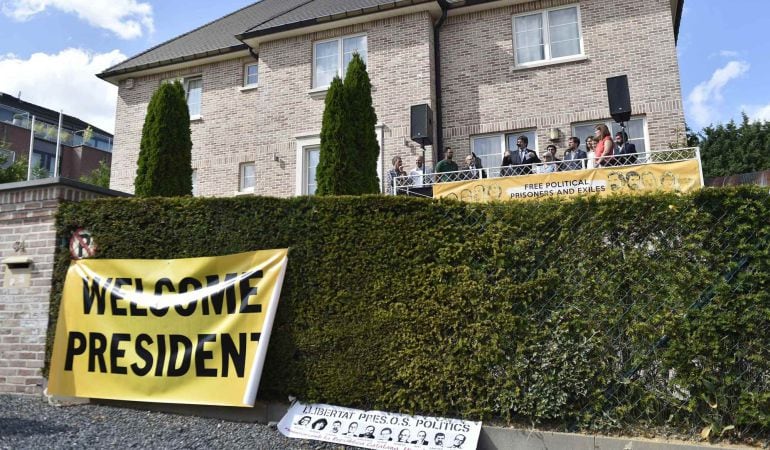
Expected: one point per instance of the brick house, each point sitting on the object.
(490, 70)
(78, 156)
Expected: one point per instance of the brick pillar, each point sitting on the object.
(27, 232)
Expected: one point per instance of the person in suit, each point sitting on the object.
(574, 158)
(421, 438)
(506, 167)
(625, 149)
(523, 156)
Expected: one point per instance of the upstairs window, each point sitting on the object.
(251, 75)
(193, 88)
(193, 92)
(547, 35)
(331, 57)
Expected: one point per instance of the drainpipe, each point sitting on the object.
(439, 138)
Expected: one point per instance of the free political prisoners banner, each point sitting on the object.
(377, 429)
(191, 331)
(684, 176)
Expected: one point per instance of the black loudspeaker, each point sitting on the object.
(421, 124)
(620, 98)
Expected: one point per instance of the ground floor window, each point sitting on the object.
(308, 155)
(490, 148)
(636, 128)
(42, 162)
(311, 164)
(248, 177)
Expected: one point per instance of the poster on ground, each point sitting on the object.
(192, 331)
(377, 429)
(683, 176)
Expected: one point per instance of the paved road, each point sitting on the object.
(29, 422)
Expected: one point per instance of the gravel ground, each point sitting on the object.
(29, 422)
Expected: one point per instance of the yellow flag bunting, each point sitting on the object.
(191, 331)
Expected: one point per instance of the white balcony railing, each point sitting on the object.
(412, 185)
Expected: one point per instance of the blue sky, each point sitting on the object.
(51, 50)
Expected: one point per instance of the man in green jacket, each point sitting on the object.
(447, 165)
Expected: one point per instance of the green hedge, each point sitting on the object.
(589, 314)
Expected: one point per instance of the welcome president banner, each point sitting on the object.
(684, 176)
(177, 331)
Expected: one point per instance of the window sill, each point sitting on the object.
(319, 92)
(245, 192)
(196, 119)
(552, 62)
(252, 87)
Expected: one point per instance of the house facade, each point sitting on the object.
(490, 71)
(82, 146)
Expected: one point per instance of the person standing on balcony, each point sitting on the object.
(419, 175)
(624, 148)
(552, 149)
(574, 158)
(523, 156)
(447, 165)
(394, 176)
(604, 146)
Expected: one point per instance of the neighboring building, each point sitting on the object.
(77, 158)
(490, 70)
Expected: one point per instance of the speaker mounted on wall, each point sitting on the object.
(421, 124)
(619, 98)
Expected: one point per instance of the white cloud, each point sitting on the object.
(65, 81)
(729, 54)
(126, 18)
(760, 113)
(705, 97)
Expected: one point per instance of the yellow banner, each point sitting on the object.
(684, 176)
(189, 331)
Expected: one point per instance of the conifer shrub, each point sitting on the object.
(164, 168)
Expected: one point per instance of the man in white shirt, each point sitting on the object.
(419, 174)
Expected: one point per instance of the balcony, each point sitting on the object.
(48, 131)
(673, 170)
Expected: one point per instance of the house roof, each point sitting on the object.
(315, 11)
(48, 115)
(265, 17)
(213, 38)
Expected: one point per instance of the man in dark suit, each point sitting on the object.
(522, 156)
(574, 158)
(625, 149)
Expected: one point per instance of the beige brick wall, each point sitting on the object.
(483, 91)
(27, 215)
(258, 124)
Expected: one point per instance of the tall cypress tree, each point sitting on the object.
(165, 161)
(364, 147)
(333, 174)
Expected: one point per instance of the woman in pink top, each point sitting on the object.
(604, 146)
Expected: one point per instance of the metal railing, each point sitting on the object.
(422, 185)
(48, 131)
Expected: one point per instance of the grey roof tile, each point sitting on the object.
(217, 36)
(319, 9)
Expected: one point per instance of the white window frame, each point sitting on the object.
(310, 140)
(503, 137)
(246, 83)
(242, 177)
(340, 56)
(185, 80)
(547, 38)
(609, 123)
(194, 179)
